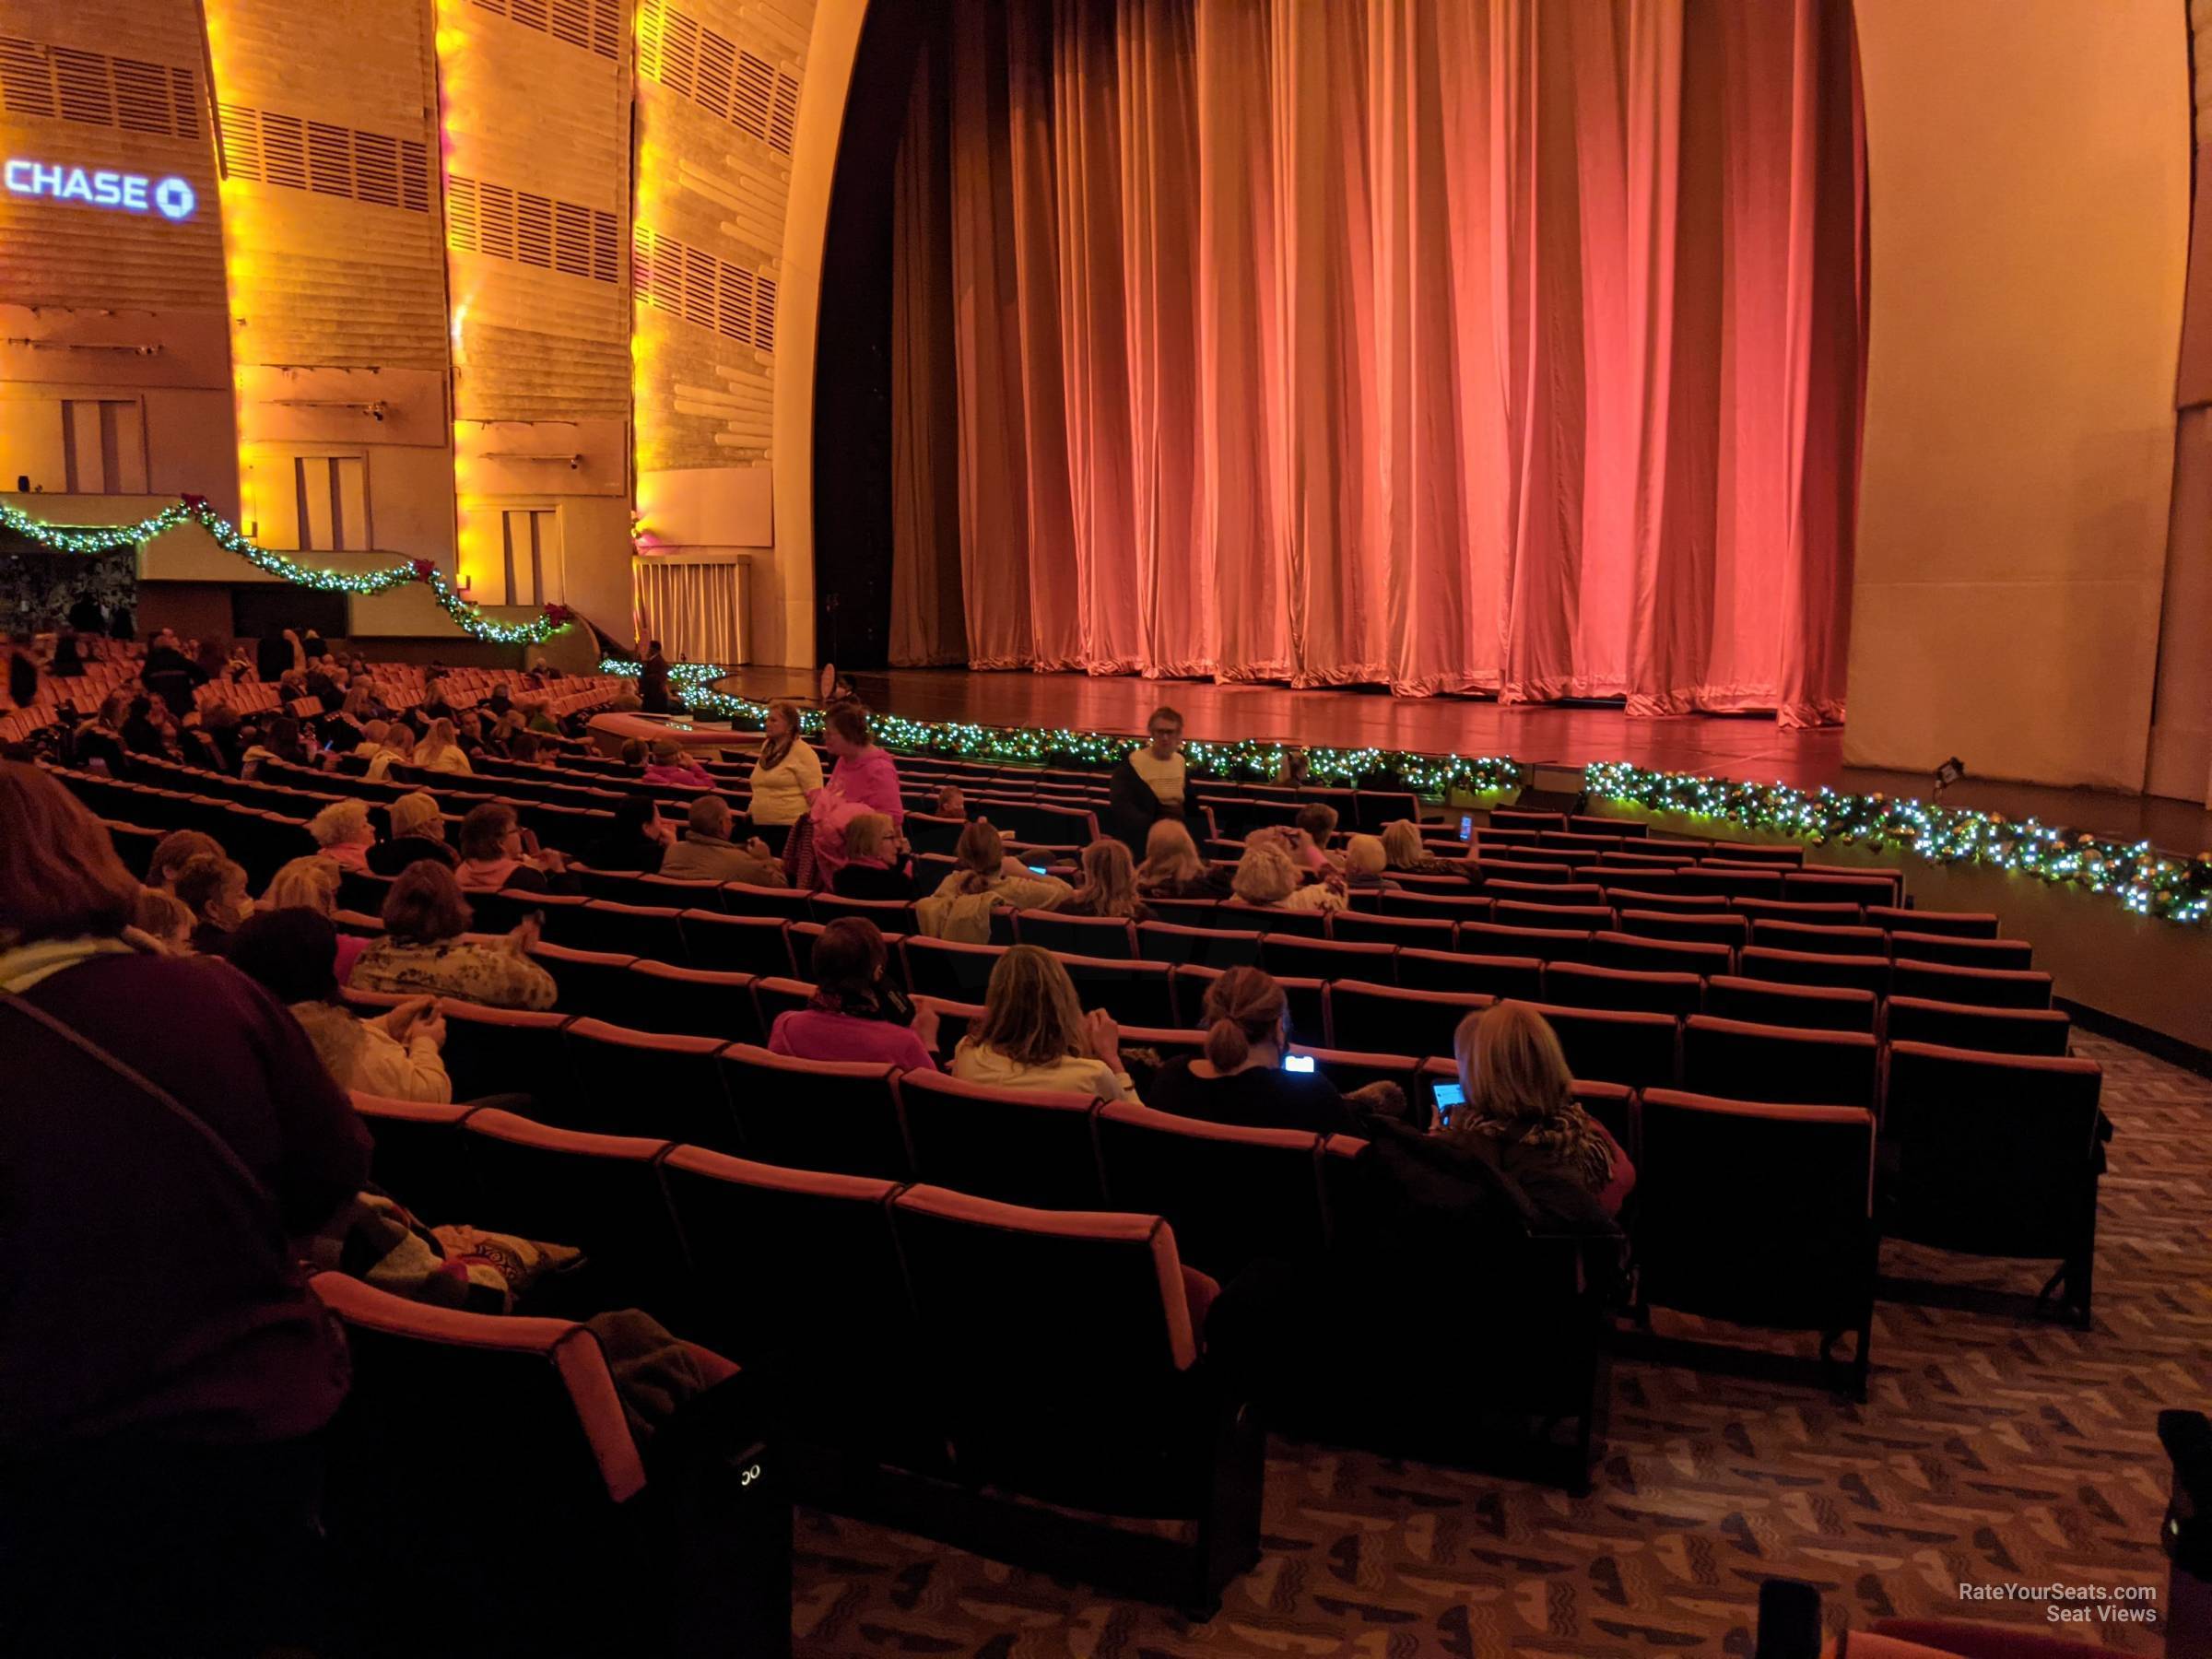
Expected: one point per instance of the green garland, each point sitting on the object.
(2143, 880)
(108, 538)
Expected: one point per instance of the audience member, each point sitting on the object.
(856, 1012)
(165, 1376)
(1240, 1078)
(863, 780)
(948, 802)
(1316, 824)
(1521, 1108)
(279, 740)
(342, 829)
(1149, 783)
(670, 766)
(439, 752)
(173, 851)
(1109, 886)
(1034, 1034)
(960, 908)
(1364, 861)
(68, 660)
(170, 675)
(638, 839)
(214, 891)
(423, 949)
(877, 866)
(311, 884)
(99, 740)
(417, 832)
(1403, 849)
(1266, 879)
(707, 853)
(653, 681)
(162, 918)
(1173, 868)
(396, 749)
(395, 1054)
(144, 731)
(497, 852)
(788, 775)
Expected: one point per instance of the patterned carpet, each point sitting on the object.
(1990, 1450)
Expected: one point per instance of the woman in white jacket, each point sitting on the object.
(288, 952)
(1034, 1033)
(960, 908)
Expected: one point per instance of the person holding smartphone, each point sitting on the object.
(397, 1054)
(1245, 1077)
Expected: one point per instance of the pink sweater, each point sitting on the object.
(812, 1034)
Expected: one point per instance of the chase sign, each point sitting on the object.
(173, 199)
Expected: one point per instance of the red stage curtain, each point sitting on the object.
(1503, 345)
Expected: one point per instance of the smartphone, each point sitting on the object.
(1466, 826)
(1448, 1095)
(1040, 869)
(1297, 1063)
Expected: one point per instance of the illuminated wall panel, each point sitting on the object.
(328, 131)
(537, 123)
(114, 366)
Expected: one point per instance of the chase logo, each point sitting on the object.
(173, 199)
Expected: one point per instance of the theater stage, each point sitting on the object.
(1748, 746)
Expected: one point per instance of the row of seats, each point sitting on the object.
(1054, 1355)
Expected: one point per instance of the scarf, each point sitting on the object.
(26, 965)
(1565, 1131)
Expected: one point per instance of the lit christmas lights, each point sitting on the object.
(111, 539)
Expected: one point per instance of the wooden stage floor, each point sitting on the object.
(1751, 747)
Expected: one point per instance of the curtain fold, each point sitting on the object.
(1501, 346)
(695, 609)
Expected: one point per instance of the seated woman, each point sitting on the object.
(1364, 861)
(423, 949)
(311, 884)
(417, 832)
(214, 891)
(342, 831)
(1403, 849)
(1521, 1107)
(1240, 1079)
(960, 908)
(173, 851)
(397, 749)
(669, 766)
(857, 1013)
(1316, 823)
(877, 866)
(1034, 1033)
(162, 918)
(1173, 868)
(395, 1054)
(495, 854)
(1109, 884)
(1266, 879)
(441, 750)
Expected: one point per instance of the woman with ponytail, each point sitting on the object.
(1240, 1080)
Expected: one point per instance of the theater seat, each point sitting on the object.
(1424, 933)
(1206, 947)
(1133, 993)
(515, 1424)
(1018, 1146)
(588, 982)
(1077, 936)
(1500, 976)
(1770, 1002)
(1615, 1046)
(1283, 956)
(889, 915)
(416, 1154)
(1545, 944)
(1758, 1214)
(1468, 906)
(1239, 1194)
(1701, 927)
(1736, 1060)
(2010, 954)
(1063, 1346)
(1386, 1019)
(1567, 918)
(1996, 1155)
(1824, 941)
(626, 1082)
(694, 1002)
(946, 968)
(1815, 967)
(1644, 953)
(1580, 985)
(1986, 987)
(646, 930)
(1954, 925)
(736, 943)
(1966, 1026)
(775, 997)
(840, 1115)
(505, 1051)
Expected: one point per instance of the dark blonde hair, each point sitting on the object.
(849, 721)
(1510, 1063)
(1264, 875)
(1401, 844)
(1243, 1008)
(1170, 854)
(1109, 879)
(204, 880)
(980, 849)
(868, 834)
(772, 751)
(1318, 820)
(1030, 1011)
(484, 830)
(425, 905)
(161, 914)
(176, 850)
(308, 883)
(59, 875)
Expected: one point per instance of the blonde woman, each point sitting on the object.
(1034, 1034)
(1109, 886)
(417, 831)
(1173, 868)
(1266, 879)
(1520, 1105)
(876, 863)
(439, 752)
(1403, 849)
(311, 884)
(1364, 861)
(343, 832)
(213, 889)
(960, 908)
(426, 952)
(397, 749)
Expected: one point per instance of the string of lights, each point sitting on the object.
(2137, 876)
(111, 539)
